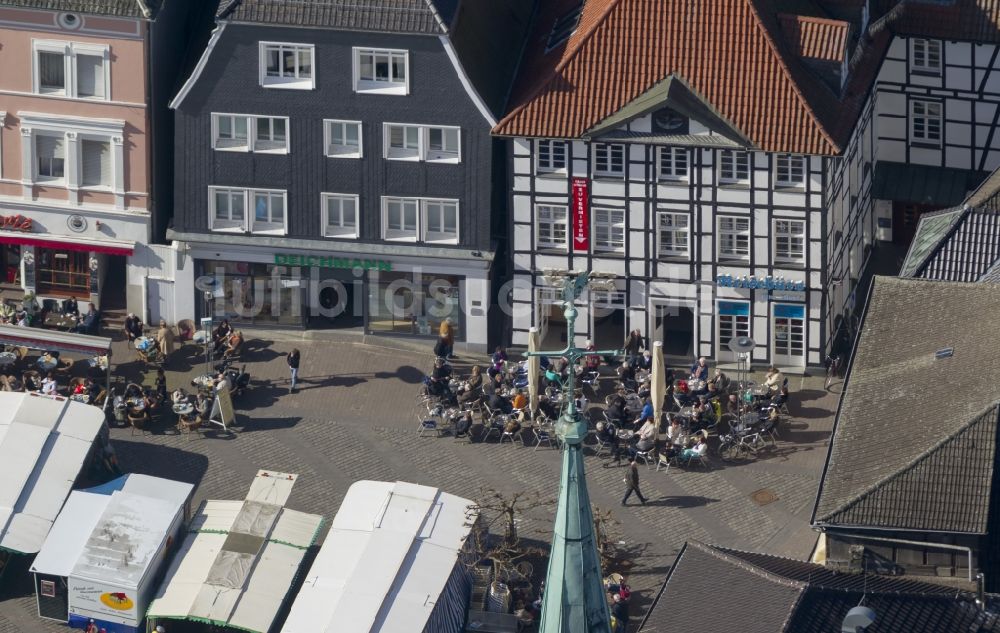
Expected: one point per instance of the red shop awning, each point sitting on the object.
(107, 247)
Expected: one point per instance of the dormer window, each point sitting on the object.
(564, 27)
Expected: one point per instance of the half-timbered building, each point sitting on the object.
(681, 152)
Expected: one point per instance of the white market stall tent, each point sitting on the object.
(238, 559)
(46, 442)
(392, 563)
(102, 557)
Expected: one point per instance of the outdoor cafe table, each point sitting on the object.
(48, 363)
(60, 320)
(80, 397)
(7, 358)
(183, 408)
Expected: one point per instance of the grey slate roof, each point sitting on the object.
(390, 16)
(118, 8)
(958, 244)
(728, 591)
(922, 184)
(914, 442)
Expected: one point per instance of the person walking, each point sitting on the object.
(447, 335)
(632, 482)
(293, 367)
(165, 340)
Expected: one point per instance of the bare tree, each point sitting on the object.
(493, 520)
(605, 526)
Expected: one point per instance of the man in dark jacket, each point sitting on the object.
(632, 483)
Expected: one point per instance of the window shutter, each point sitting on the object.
(90, 76)
(96, 163)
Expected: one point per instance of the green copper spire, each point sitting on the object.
(574, 599)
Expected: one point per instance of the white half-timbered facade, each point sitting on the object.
(672, 186)
(703, 240)
(926, 135)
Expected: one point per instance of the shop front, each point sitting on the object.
(379, 296)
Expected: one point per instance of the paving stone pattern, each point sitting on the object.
(354, 418)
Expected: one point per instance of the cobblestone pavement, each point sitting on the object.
(354, 418)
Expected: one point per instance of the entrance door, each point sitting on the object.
(789, 325)
(10, 264)
(733, 320)
(549, 318)
(674, 325)
(160, 300)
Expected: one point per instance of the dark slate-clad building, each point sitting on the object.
(910, 479)
(721, 590)
(335, 166)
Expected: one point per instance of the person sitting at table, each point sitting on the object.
(469, 391)
(780, 399)
(647, 411)
(49, 384)
(547, 408)
(774, 380)
(717, 380)
(699, 370)
(10, 381)
(698, 450)
(626, 374)
(646, 361)
(152, 400)
(220, 335)
(233, 344)
(71, 307)
(89, 322)
(497, 361)
(133, 327)
(520, 401)
(646, 438)
(201, 405)
(79, 388)
(591, 362)
(616, 410)
(21, 318)
(497, 402)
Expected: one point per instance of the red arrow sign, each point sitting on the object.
(581, 216)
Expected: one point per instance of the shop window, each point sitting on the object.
(263, 294)
(62, 272)
(407, 303)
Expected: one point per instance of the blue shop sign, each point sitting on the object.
(734, 308)
(760, 283)
(785, 311)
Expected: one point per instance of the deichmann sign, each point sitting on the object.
(760, 283)
(285, 259)
(581, 220)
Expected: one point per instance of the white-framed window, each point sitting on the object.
(250, 133)
(925, 55)
(609, 230)
(673, 163)
(440, 220)
(609, 159)
(95, 162)
(381, 71)
(242, 210)
(434, 144)
(925, 121)
(230, 132)
(550, 155)
(342, 138)
(340, 215)
(551, 225)
(734, 237)
(285, 65)
(72, 69)
(50, 158)
(420, 220)
(789, 170)
(673, 234)
(272, 134)
(790, 241)
(228, 208)
(734, 167)
(47, 588)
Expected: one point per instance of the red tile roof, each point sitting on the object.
(816, 38)
(724, 49)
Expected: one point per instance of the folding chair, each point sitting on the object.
(543, 436)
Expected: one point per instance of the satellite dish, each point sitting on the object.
(741, 344)
(857, 619)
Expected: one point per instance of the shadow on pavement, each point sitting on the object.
(158, 460)
(681, 501)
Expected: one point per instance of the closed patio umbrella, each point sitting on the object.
(534, 366)
(658, 387)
